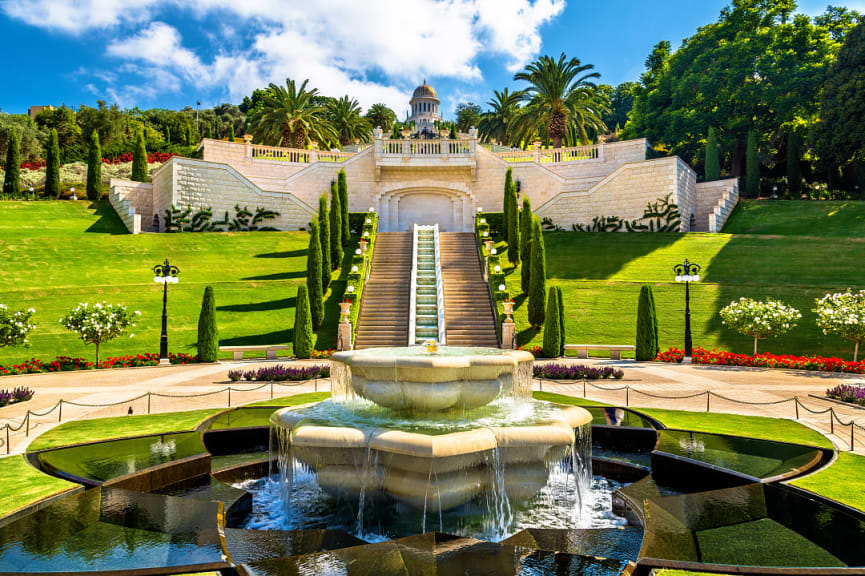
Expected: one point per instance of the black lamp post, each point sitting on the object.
(165, 274)
(687, 273)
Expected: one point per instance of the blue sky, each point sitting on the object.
(167, 53)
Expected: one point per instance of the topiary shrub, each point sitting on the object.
(552, 326)
(526, 246)
(208, 332)
(231, 132)
(52, 166)
(12, 179)
(752, 166)
(561, 301)
(324, 239)
(335, 228)
(538, 281)
(713, 161)
(647, 326)
(342, 185)
(139, 159)
(313, 275)
(94, 168)
(303, 333)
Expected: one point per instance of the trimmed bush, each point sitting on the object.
(552, 326)
(94, 169)
(713, 161)
(139, 159)
(538, 281)
(526, 247)
(647, 326)
(513, 224)
(313, 275)
(794, 168)
(231, 132)
(167, 134)
(335, 227)
(12, 180)
(507, 207)
(302, 325)
(752, 166)
(208, 332)
(324, 238)
(342, 185)
(52, 166)
(561, 301)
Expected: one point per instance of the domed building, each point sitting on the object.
(425, 109)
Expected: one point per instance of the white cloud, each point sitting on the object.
(75, 16)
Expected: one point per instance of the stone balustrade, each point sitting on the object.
(296, 156)
(555, 155)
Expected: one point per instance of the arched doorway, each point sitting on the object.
(426, 208)
(451, 209)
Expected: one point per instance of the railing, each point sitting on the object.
(412, 303)
(554, 155)
(439, 287)
(440, 293)
(388, 148)
(296, 156)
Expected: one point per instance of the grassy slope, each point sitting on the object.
(29, 484)
(830, 218)
(57, 254)
(843, 480)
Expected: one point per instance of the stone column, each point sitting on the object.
(343, 336)
(509, 334)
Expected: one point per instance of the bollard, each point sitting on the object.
(541, 384)
(627, 395)
(27, 430)
(60, 416)
(148, 402)
(229, 396)
(271, 389)
(852, 431)
(796, 403)
(708, 396)
(584, 387)
(831, 421)
(7, 438)
(315, 383)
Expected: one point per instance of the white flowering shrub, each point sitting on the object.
(15, 326)
(100, 322)
(760, 319)
(843, 314)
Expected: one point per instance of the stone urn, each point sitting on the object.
(364, 243)
(344, 310)
(247, 138)
(508, 307)
(488, 244)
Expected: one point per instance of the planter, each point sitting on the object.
(364, 243)
(344, 310)
(508, 310)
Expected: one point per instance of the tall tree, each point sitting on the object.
(303, 331)
(52, 166)
(139, 159)
(497, 123)
(561, 301)
(380, 116)
(508, 207)
(560, 95)
(538, 281)
(12, 179)
(713, 160)
(208, 331)
(552, 328)
(794, 168)
(94, 168)
(647, 326)
(468, 116)
(513, 231)
(291, 115)
(324, 235)
(752, 167)
(335, 227)
(342, 184)
(526, 219)
(231, 132)
(345, 117)
(167, 134)
(313, 275)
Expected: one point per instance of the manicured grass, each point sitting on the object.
(843, 480)
(58, 254)
(295, 400)
(806, 218)
(562, 399)
(25, 484)
(761, 427)
(79, 431)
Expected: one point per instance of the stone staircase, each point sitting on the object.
(724, 208)
(383, 318)
(469, 319)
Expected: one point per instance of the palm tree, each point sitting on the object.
(291, 115)
(344, 116)
(498, 121)
(560, 93)
(380, 116)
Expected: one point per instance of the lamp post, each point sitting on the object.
(165, 274)
(687, 273)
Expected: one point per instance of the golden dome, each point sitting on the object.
(424, 91)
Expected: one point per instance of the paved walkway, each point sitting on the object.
(203, 386)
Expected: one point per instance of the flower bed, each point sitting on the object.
(576, 372)
(847, 393)
(67, 364)
(160, 157)
(764, 360)
(15, 396)
(280, 373)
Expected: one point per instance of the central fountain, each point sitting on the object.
(433, 432)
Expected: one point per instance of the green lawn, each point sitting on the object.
(58, 254)
(30, 485)
(805, 218)
(843, 480)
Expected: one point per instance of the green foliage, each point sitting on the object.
(560, 300)
(291, 115)
(526, 218)
(468, 116)
(538, 280)
(52, 166)
(794, 168)
(94, 168)
(313, 275)
(752, 166)
(552, 326)
(647, 326)
(208, 331)
(12, 178)
(344, 116)
(760, 319)
(15, 326)
(99, 323)
(303, 330)
(496, 124)
(231, 132)
(324, 228)
(453, 134)
(335, 227)
(139, 159)
(513, 235)
(713, 156)
(380, 116)
(661, 215)
(342, 184)
(621, 100)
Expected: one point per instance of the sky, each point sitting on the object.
(172, 53)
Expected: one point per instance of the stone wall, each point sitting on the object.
(133, 202)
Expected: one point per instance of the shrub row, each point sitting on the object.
(576, 372)
(280, 373)
(67, 364)
(764, 360)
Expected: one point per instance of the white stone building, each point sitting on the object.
(425, 111)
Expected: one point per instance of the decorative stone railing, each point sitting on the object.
(386, 148)
(554, 155)
(259, 152)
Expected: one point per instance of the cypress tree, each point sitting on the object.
(210, 131)
(94, 168)
(335, 227)
(342, 184)
(538, 280)
(794, 169)
(188, 135)
(713, 161)
(647, 326)
(752, 167)
(324, 228)
(507, 207)
(208, 332)
(139, 159)
(552, 326)
(52, 166)
(313, 276)
(231, 132)
(526, 247)
(12, 180)
(167, 134)
(513, 227)
(561, 300)
(302, 325)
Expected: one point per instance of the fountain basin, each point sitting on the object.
(411, 379)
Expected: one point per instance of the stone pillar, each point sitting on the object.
(509, 334)
(343, 336)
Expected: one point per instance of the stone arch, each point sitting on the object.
(452, 208)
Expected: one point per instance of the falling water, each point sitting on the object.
(501, 516)
(522, 385)
(340, 382)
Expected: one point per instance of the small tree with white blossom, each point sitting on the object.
(760, 319)
(15, 326)
(843, 313)
(100, 322)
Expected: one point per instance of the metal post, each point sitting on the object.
(148, 402)
(7, 439)
(584, 387)
(163, 338)
(229, 396)
(627, 395)
(688, 345)
(796, 403)
(831, 420)
(541, 384)
(271, 389)
(60, 417)
(27, 430)
(315, 384)
(852, 431)
(708, 396)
